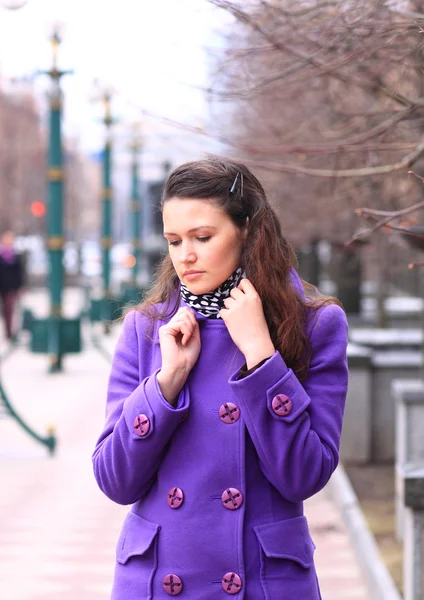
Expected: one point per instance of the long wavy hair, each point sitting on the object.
(266, 258)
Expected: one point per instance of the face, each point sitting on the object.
(204, 244)
(7, 239)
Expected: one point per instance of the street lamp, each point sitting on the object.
(107, 193)
(50, 439)
(131, 292)
(55, 335)
(135, 207)
(106, 308)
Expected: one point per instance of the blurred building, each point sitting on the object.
(154, 244)
(23, 189)
(83, 184)
(22, 161)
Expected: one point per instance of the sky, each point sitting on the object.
(153, 54)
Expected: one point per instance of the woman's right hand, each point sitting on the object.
(180, 348)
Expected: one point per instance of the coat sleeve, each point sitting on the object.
(298, 449)
(125, 462)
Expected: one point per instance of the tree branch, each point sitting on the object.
(405, 163)
(248, 20)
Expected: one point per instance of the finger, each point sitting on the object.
(189, 318)
(196, 329)
(192, 318)
(174, 327)
(236, 293)
(174, 322)
(183, 315)
(180, 312)
(189, 314)
(223, 314)
(185, 334)
(178, 317)
(187, 329)
(247, 286)
(229, 302)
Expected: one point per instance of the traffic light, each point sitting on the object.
(38, 209)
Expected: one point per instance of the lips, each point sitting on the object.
(192, 275)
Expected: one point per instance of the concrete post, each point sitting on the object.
(355, 444)
(413, 557)
(396, 354)
(409, 438)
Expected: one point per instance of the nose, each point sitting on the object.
(187, 254)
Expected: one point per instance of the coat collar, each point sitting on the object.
(295, 281)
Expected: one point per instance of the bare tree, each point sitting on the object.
(326, 99)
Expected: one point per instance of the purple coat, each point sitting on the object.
(217, 483)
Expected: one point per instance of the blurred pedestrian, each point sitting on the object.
(11, 280)
(225, 403)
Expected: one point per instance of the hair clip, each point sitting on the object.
(233, 187)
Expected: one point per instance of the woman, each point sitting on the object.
(225, 403)
(10, 280)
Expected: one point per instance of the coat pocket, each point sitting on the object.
(136, 558)
(287, 560)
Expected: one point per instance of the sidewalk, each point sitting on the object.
(337, 567)
(57, 530)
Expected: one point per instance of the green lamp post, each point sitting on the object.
(135, 209)
(55, 240)
(6, 407)
(107, 308)
(131, 290)
(55, 335)
(107, 197)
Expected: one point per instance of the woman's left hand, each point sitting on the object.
(245, 320)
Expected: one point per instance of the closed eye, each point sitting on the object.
(200, 239)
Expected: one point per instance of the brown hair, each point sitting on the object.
(266, 258)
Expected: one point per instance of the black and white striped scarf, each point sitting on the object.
(211, 303)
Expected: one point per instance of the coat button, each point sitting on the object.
(141, 425)
(172, 585)
(282, 405)
(232, 498)
(229, 413)
(175, 497)
(231, 583)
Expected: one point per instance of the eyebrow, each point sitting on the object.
(192, 230)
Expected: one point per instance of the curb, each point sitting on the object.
(376, 574)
